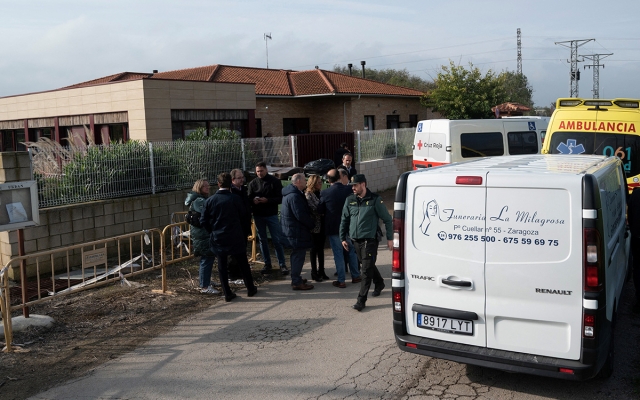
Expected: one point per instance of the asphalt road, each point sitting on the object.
(283, 344)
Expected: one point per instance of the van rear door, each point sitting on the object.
(534, 263)
(444, 253)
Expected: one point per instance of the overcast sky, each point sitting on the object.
(46, 45)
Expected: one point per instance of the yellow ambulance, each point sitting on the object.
(597, 126)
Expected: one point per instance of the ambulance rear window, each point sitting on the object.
(481, 144)
(626, 147)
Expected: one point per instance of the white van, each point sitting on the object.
(515, 263)
(444, 141)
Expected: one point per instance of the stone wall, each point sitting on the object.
(383, 174)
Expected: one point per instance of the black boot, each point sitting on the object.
(314, 273)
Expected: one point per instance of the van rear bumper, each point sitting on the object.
(501, 359)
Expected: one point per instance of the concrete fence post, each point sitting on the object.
(395, 140)
(244, 159)
(359, 149)
(153, 176)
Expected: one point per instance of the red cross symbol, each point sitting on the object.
(420, 144)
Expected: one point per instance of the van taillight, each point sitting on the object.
(397, 300)
(468, 180)
(592, 261)
(397, 265)
(589, 323)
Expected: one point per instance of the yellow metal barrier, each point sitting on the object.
(79, 267)
(86, 266)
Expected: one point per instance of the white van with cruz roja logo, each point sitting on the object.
(443, 141)
(515, 263)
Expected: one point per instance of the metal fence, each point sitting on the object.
(135, 168)
(384, 143)
(100, 172)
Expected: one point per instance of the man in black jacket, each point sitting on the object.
(297, 224)
(347, 165)
(265, 193)
(331, 203)
(225, 218)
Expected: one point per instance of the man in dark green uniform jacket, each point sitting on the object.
(360, 216)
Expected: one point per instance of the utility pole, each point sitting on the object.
(519, 68)
(267, 37)
(596, 70)
(574, 72)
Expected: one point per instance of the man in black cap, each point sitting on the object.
(360, 216)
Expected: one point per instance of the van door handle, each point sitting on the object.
(456, 283)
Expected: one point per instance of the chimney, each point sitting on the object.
(155, 71)
(350, 66)
(363, 64)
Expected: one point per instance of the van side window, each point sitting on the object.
(481, 144)
(522, 142)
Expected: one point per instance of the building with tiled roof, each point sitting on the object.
(163, 106)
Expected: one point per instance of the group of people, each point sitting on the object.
(347, 213)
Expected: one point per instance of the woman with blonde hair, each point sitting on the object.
(312, 193)
(200, 237)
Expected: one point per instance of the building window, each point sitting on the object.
(393, 121)
(369, 122)
(295, 126)
(413, 120)
(11, 139)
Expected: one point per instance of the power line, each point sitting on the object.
(574, 71)
(596, 71)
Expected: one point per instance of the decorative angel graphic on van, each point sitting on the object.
(433, 216)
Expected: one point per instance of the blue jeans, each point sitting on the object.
(206, 265)
(262, 223)
(297, 261)
(338, 257)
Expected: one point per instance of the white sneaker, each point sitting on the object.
(210, 290)
(238, 282)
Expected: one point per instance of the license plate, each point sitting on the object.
(447, 325)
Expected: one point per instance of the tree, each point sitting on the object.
(398, 77)
(517, 88)
(462, 93)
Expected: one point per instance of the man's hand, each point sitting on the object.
(345, 244)
(390, 244)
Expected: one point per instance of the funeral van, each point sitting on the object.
(515, 263)
(444, 141)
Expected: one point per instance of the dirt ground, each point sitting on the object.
(97, 325)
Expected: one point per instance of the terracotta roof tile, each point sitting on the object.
(122, 76)
(270, 82)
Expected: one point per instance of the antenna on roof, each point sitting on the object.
(266, 43)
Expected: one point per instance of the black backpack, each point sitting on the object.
(193, 218)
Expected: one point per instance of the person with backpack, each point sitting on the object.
(199, 236)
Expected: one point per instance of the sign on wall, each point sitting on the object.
(18, 205)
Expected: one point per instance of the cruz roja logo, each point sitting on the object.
(570, 147)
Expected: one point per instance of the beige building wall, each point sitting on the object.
(162, 96)
(148, 103)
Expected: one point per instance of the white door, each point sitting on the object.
(444, 259)
(534, 264)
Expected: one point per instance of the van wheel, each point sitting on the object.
(607, 369)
